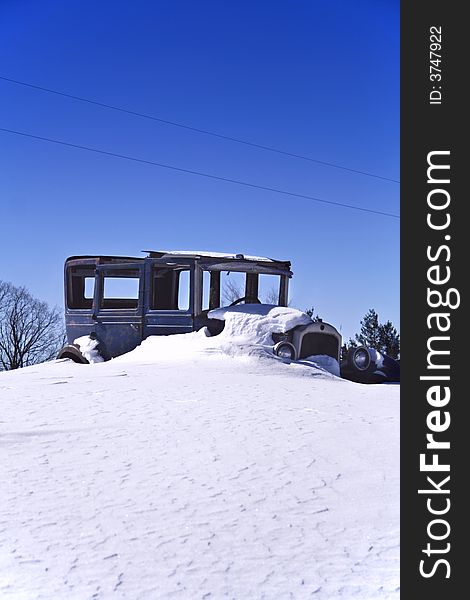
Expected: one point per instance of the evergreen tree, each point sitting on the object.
(389, 340)
(346, 347)
(370, 331)
(383, 338)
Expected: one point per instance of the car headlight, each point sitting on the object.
(285, 350)
(361, 359)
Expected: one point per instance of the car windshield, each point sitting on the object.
(223, 288)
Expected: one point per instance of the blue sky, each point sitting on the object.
(319, 79)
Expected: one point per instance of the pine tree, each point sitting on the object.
(389, 340)
(383, 338)
(370, 331)
(346, 347)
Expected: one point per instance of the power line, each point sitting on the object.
(197, 130)
(199, 173)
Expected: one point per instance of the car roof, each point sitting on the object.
(206, 254)
(175, 254)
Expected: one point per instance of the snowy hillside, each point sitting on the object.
(184, 470)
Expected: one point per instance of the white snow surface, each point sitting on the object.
(184, 470)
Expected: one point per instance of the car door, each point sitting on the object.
(170, 288)
(118, 307)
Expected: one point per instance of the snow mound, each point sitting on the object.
(324, 362)
(256, 322)
(89, 348)
(247, 331)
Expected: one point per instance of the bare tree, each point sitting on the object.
(271, 296)
(30, 331)
(231, 291)
(4, 288)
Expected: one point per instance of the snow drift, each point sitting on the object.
(247, 331)
(183, 471)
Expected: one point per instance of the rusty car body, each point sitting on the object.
(119, 301)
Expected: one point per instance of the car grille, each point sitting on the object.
(319, 343)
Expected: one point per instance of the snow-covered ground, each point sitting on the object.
(186, 470)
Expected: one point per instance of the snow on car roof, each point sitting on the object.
(212, 254)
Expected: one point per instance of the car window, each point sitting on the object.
(206, 284)
(268, 288)
(232, 287)
(183, 290)
(121, 288)
(89, 288)
(170, 289)
(80, 286)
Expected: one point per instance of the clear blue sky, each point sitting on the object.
(314, 78)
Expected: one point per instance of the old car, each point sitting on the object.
(119, 301)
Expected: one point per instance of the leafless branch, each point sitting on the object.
(30, 331)
(231, 291)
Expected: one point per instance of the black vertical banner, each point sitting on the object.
(435, 334)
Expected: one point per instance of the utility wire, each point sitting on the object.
(199, 173)
(197, 130)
